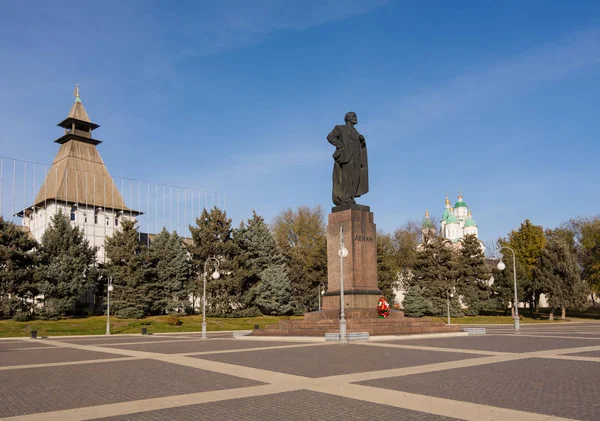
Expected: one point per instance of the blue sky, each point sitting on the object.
(497, 100)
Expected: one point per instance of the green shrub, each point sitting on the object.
(21, 316)
(174, 320)
(130, 313)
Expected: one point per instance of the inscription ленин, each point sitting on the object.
(363, 238)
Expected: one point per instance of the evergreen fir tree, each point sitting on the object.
(435, 269)
(212, 237)
(257, 251)
(133, 278)
(275, 291)
(67, 267)
(168, 256)
(473, 277)
(558, 267)
(18, 258)
(415, 304)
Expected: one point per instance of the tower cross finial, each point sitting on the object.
(76, 93)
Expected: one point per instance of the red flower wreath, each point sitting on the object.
(383, 307)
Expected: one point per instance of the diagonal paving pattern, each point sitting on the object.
(547, 373)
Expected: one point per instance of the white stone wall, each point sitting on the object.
(98, 225)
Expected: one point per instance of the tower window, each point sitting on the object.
(85, 218)
(116, 222)
(107, 220)
(95, 219)
(72, 214)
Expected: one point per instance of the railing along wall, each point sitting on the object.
(28, 187)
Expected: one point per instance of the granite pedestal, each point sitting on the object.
(361, 294)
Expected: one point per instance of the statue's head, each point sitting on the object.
(351, 117)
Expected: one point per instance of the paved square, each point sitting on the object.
(533, 385)
(302, 405)
(492, 377)
(28, 391)
(501, 343)
(334, 359)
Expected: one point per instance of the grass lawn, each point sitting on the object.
(96, 325)
(542, 316)
(495, 320)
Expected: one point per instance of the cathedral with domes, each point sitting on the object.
(456, 223)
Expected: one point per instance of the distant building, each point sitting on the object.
(455, 225)
(79, 185)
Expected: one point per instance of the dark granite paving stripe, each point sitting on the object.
(553, 387)
(302, 405)
(118, 340)
(199, 346)
(513, 344)
(50, 355)
(592, 354)
(4, 346)
(325, 361)
(29, 391)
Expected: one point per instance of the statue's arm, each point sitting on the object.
(334, 137)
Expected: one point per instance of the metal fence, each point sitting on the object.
(24, 184)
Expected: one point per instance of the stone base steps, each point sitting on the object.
(371, 332)
(351, 313)
(320, 323)
(353, 324)
(474, 330)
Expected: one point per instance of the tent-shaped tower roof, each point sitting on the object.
(78, 174)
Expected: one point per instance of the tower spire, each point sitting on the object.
(76, 93)
(78, 124)
(78, 111)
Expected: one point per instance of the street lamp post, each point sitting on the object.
(502, 266)
(343, 252)
(448, 296)
(321, 292)
(109, 290)
(215, 276)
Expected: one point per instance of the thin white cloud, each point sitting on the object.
(238, 23)
(538, 66)
(273, 163)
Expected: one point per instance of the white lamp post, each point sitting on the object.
(109, 290)
(343, 252)
(215, 276)
(502, 266)
(448, 296)
(321, 292)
